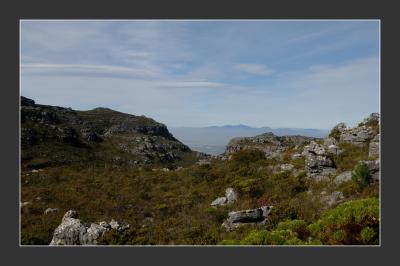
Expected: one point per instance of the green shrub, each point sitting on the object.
(361, 174)
(346, 223)
(297, 226)
(335, 133)
(367, 235)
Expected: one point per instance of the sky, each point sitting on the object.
(298, 74)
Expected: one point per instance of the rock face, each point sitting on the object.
(72, 231)
(230, 197)
(374, 146)
(357, 135)
(138, 139)
(251, 216)
(269, 143)
(317, 160)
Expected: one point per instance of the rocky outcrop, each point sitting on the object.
(139, 139)
(72, 231)
(357, 135)
(269, 143)
(360, 134)
(317, 161)
(251, 216)
(374, 146)
(230, 197)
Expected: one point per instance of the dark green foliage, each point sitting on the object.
(353, 222)
(335, 133)
(361, 174)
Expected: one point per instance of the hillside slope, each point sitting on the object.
(52, 135)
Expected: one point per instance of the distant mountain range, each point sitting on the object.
(213, 139)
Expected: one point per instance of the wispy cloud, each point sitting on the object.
(82, 69)
(281, 74)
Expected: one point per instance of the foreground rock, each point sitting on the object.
(230, 197)
(251, 216)
(72, 231)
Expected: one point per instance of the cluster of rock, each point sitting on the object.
(256, 216)
(269, 143)
(317, 161)
(360, 134)
(230, 197)
(72, 231)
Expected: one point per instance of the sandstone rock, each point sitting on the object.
(374, 146)
(231, 195)
(251, 216)
(50, 210)
(270, 144)
(317, 160)
(357, 135)
(72, 231)
(219, 201)
(331, 146)
(343, 177)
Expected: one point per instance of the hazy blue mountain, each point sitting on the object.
(213, 139)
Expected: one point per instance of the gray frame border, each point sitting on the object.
(186, 255)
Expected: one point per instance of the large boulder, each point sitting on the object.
(317, 161)
(231, 195)
(250, 216)
(72, 231)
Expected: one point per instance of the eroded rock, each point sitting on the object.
(72, 231)
(250, 216)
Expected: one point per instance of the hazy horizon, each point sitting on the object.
(279, 74)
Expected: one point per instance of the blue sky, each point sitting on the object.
(304, 74)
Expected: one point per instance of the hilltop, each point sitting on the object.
(52, 135)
